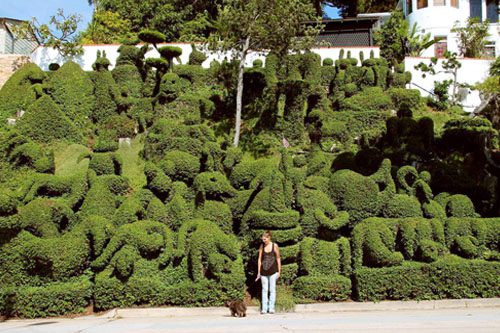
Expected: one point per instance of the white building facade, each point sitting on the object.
(438, 17)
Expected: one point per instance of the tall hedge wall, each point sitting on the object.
(360, 201)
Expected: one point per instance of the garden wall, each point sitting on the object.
(472, 71)
(44, 56)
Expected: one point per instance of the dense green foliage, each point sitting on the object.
(363, 204)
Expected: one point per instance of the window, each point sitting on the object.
(476, 9)
(440, 47)
(439, 2)
(421, 4)
(490, 50)
(409, 7)
(454, 3)
(492, 11)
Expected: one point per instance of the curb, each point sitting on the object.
(310, 308)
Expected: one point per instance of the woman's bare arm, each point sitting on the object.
(278, 258)
(259, 261)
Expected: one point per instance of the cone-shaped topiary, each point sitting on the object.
(73, 91)
(44, 122)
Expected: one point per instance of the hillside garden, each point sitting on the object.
(377, 197)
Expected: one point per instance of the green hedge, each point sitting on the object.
(322, 288)
(447, 278)
(55, 299)
(18, 92)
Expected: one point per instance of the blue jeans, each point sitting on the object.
(268, 285)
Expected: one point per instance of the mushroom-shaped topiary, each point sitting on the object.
(328, 62)
(152, 37)
(169, 53)
(159, 63)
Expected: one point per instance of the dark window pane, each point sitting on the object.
(421, 4)
(475, 9)
(492, 11)
(409, 6)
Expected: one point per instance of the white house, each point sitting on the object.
(438, 17)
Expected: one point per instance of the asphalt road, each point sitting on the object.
(475, 320)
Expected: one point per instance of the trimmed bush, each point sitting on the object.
(129, 80)
(55, 299)
(402, 205)
(447, 278)
(106, 164)
(100, 199)
(370, 99)
(328, 62)
(213, 185)
(217, 212)
(18, 92)
(357, 194)
(322, 288)
(405, 99)
(257, 63)
(180, 165)
(151, 36)
(460, 205)
(295, 92)
(106, 96)
(44, 122)
(196, 57)
(169, 53)
(261, 219)
(73, 91)
(8, 203)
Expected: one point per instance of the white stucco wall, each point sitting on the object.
(44, 56)
(472, 71)
(439, 20)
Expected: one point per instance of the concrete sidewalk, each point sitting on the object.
(170, 312)
(475, 319)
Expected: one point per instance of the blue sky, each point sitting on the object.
(43, 9)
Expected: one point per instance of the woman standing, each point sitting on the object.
(269, 270)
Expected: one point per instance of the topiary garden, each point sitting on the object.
(367, 203)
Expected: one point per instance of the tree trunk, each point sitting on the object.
(239, 93)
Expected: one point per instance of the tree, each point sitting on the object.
(416, 43)
(448, 66)
(397, 40)
(106, 27)
(185, 20)
(472, 37)
(490, 95)
(60, 32)
(245, 25)
(391, 38)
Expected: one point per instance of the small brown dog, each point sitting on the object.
(237, 307)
